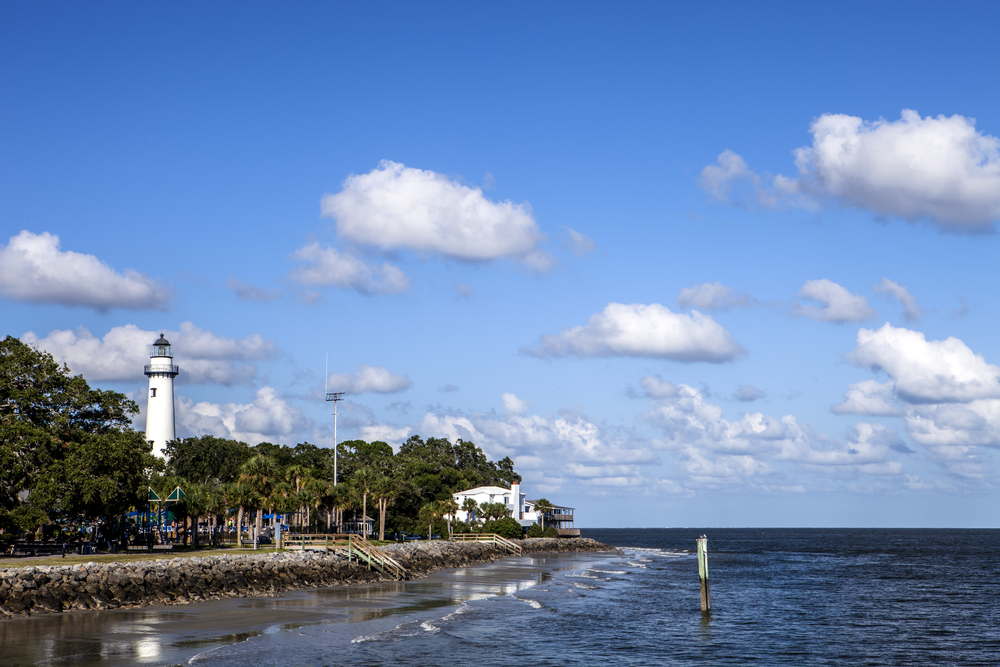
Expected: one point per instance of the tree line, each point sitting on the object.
(69, 456)
(409, 491)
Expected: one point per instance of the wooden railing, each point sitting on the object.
(356, 546)
(371, 554)
(323, 542)
(501, 542)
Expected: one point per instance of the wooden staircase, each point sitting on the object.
(371, 554)
(356, 546)
(499, 541)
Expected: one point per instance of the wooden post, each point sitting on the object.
(706, 601)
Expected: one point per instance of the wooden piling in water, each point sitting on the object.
(706, 600)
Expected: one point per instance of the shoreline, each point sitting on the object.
(57, 589)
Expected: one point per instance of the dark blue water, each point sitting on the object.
(779, 597)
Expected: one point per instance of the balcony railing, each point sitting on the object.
(162, 369)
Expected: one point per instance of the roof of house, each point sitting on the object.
(495, 490)
(554, 506)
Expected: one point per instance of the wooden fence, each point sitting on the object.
(356, 546)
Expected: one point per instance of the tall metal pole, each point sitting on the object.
(336, 397)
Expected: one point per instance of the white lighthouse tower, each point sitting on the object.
(160, 402)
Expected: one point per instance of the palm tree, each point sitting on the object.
(384, 490)
(282, 500)
(261, 474)
(242, 497)
(449, 507)
(304, 499)
(432, 510)
(195, 503)
(316, 491)
(493, 511)
(216, 506)
(296, 474)
(364, 480)
(343, 498)
(543, 507)
(470, 507)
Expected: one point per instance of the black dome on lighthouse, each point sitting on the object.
(162, 341)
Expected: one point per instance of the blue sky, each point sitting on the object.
(687, 265)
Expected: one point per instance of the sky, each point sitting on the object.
(703, 264)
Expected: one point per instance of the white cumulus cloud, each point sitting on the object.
(923, 371)
(761, 450)
(251, 293)
(268, 418)
(579, 243)
(918, 168)
(328, 267)
(747, 393)
(911, 310)
(640, 330)
(369, 380)
(869, 397)
(513, 405)
(550, 451)
(713, 296)
(654, 386)
(203, 356)
(397, 207)
(34, 269)
(839, 305)
(949, 395)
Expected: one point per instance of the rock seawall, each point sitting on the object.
(52, 589)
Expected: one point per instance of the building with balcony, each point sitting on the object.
(559, 517)
(521, 509)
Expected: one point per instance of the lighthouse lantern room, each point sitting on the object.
(161, 372)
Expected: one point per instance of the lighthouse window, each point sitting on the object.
(162, 350)
(152, 391)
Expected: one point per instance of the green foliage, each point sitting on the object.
(353, 455)
(207, 459)
(534, 530)
(493, 511)
(508, 528)
(392, 488)
(543, 507)
(550, 532)
(67, 451)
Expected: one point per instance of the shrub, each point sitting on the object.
(550, 531)
(534, 530)
(508, 528)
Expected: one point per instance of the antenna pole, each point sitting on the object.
(336, 397)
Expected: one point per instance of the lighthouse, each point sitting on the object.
(160, 401)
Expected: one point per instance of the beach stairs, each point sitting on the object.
(501, 542)
(368, 553)
(356, 547)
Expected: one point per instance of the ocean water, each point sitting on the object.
(779, 597)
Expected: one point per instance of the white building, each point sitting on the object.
(160, 426)
(520, 508)
(512, 498)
